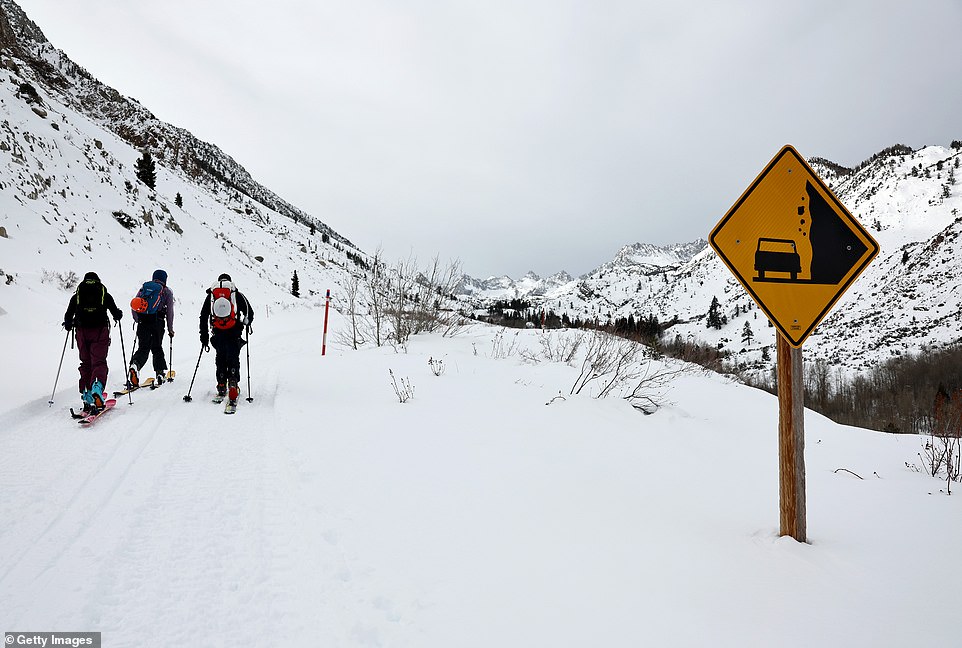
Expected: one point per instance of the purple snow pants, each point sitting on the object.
(93, 344)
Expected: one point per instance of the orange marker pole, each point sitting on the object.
(327, 307)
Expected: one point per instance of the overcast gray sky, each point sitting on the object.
(521, 135)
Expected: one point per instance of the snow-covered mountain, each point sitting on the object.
(638, 258)
(31, 58)
(504, 287)
(908, 299)
(653, 257)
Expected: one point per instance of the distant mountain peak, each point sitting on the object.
(655, 256)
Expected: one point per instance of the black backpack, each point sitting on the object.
(91, 296)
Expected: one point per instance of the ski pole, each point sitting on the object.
(187, 398)
(59, 367)
(123, 352)
(250, 399)
(170, 365)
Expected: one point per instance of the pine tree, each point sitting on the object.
(714, 314)
(747, 334)
(179, 200)
(295, 285)
(146, 170)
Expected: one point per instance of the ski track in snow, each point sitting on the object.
(164, 510)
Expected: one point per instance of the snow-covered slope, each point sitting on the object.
(31, 57)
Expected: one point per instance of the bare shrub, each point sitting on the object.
(63, 280)
(422, 300)
(500, 349)
(649, 391)
(614, 366)
(387, 305)
(353, 336)
(433, 305)
(942, 446)
(400, 294)
(375, 290)
(402, 388)
(562, 347)
(437, 366)
(606, 360)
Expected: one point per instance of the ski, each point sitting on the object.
(90, 418)
(149, 382)
(167, 378)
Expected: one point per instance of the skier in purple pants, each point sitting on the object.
(87, 316)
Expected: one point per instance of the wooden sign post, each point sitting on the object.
(791, 441)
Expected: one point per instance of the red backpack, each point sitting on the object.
(223, 305)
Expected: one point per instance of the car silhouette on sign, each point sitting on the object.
(777, 255)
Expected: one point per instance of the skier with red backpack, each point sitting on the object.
(152, 309)
(87, 316)
(226, 314)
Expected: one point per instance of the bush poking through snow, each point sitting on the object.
(942, 447)
(500, 350)
(561, 347)
(63, 280)
(402, 387)
(615, 366)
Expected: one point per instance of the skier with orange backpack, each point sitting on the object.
(227, 314)
(152, 308)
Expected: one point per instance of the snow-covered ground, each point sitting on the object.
(328, 513)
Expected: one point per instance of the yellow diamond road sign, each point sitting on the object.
(792, 245)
